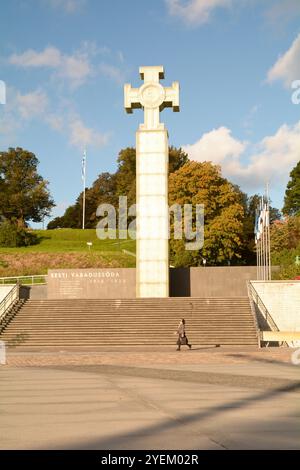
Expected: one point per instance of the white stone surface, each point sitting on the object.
(152, 153)
(4, 290)
(152, 215)
(2, 353)
(282, 299)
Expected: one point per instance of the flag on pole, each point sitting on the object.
(261, 219)
(267, 215)
(256, 227)
(83, 166)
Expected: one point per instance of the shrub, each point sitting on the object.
(13, 236)
(8, 234)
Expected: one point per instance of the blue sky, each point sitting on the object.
(65, 62)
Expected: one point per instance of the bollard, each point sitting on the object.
(2, 353)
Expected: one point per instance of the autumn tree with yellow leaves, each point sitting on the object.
(202, 183)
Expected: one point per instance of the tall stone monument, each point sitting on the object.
(152, 218)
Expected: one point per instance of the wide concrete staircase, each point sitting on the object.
(92, 323)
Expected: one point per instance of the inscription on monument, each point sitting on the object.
(91, 283)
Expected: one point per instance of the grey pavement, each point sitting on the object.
(221, 406)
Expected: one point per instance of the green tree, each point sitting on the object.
(292, 193)
(125, 176)
(285, 247)
(55, 223)
(202, 183)
(177, 158)
(250, 205)
(126, 173)
(103, 191)
(107, 188)
(12, 235)
(24, 195)
(285, 234)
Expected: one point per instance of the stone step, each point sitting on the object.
(78, 344)
(88, 323)
(142, 301)
(95, 341)
(128, 336)
(136, 315)
(102, 326)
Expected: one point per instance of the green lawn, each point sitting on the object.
(68, 240)
(66, 249)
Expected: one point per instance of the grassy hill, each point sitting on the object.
(66, 248)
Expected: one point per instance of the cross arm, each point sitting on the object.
(131, 98)
(172, 97)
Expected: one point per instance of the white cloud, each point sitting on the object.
(32, 104)
(198, 12)
(50, 57)
(216, 146)
(112, 72)
(69, 6)
(195, 11)
(23, 108)
(76, 68)
(272, 158)
(287, 67)
(121, 57)
(56, 122)
(19, 111)
(249, 119)
(280, 12)
(81, 136)
(8, 122)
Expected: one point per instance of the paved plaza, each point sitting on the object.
(139, 398)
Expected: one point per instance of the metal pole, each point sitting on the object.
(269, 253)
(257, 259)
(260, 258)
(267, 247)
(84, 179)
(266, 254)
(260, 245)
(268, 232)
(83, 208)
(263, 242)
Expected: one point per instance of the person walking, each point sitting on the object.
(182, 338)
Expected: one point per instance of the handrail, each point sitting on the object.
(252, 307)
(262, 308)
(35, 279)
(8, 300)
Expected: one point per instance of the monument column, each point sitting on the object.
(152, 150)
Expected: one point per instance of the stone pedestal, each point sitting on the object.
(152, 251)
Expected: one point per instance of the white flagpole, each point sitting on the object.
(266, 244)
(268, 234)
(258, 259)
(83, 179)
(262, 242)
(266, 251)
(257, 244)
(257, 269)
